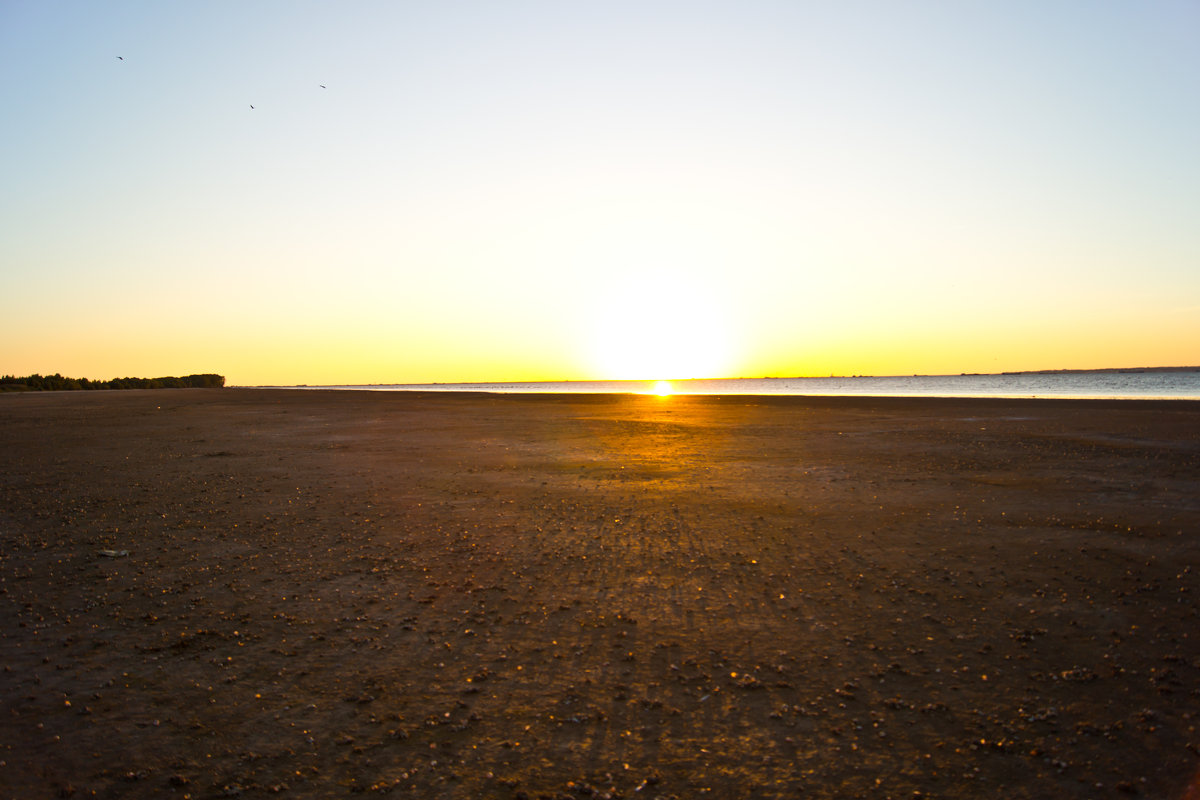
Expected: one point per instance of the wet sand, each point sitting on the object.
(210, 593)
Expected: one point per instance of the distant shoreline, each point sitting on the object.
(1082, 383)
(1102, 370)
(1099, 371)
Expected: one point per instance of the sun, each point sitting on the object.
(663, 388)
(656, 328)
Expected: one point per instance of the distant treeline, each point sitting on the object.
(56, 382)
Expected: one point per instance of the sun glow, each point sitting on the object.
(656, 327)
(663, 388)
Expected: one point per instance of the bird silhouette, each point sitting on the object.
(252, 106)
(120, 58)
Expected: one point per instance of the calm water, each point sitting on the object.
(1146, 385)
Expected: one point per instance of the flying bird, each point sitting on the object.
(252, 106)
(321, 85)
(120, 58)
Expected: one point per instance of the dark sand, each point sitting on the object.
(317, 593)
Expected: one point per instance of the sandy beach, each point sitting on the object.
(239, 592)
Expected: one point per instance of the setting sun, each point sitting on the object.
(648, 327)
(663, 388)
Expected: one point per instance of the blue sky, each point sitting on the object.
(524, 191)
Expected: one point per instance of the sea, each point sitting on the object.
(1146, 384)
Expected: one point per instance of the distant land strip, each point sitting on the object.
(1108, 369)
(57, 383)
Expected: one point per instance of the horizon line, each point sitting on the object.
(1064, 370)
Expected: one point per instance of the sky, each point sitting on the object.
(409, 192)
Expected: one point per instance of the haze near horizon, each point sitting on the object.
(367, 192)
